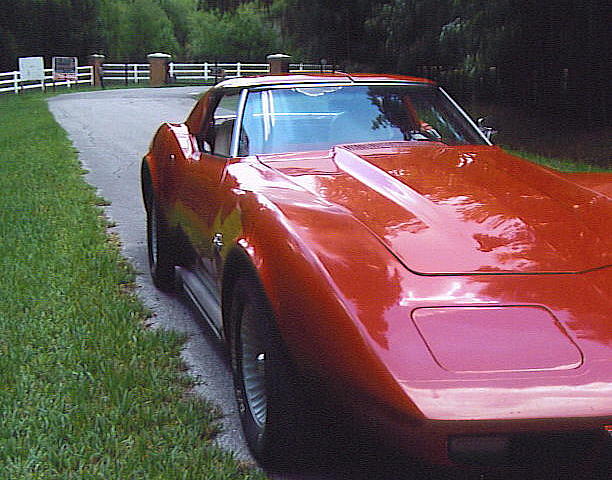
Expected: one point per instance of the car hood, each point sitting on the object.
(460, 209)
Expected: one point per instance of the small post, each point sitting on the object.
(16, 80)
(158, 68)
(97, 61)
(219, 73)
(279, 63)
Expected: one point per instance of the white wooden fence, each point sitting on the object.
(198, 72)
(206, 72)
(10, 82)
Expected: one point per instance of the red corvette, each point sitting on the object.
(362, 231)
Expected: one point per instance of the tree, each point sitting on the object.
(179, 13)
(133, 29)
(322, 29)
(242, 35)
(48, 28)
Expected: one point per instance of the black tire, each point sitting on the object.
(159, 246)
(265, 382)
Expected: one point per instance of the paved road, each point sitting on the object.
(111, 131)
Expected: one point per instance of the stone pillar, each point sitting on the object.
(158, 68)
(279, 63)
(97, 62)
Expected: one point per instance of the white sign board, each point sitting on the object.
(65, 68)
(31, 68)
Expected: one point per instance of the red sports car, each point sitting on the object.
(362, 231)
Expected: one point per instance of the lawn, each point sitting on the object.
(86, 391)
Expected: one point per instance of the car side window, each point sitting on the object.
(219, 131)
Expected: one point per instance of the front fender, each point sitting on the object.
(326, 293)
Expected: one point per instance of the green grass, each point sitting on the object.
(561, 164)
(86, 390)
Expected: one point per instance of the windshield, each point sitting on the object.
(319, 117)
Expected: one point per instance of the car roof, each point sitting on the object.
(337, 77)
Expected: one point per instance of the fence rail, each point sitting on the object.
(10, 82)
(198, 72)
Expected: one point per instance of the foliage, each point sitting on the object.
(131, 28)
(410, 29)
(178, 12)
(47, 28)
(332, 30)
(240, 35)
(128, 30)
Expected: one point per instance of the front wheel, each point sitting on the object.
(264, 381)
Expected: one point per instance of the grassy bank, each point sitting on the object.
(85, 390)
(556, 141)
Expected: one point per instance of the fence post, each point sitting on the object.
(206, 71)
(97, 62)
(238, 69)
(158, 68)
(279, 63)
(135, 73)
(16, 81)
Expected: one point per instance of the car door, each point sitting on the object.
(200, 194)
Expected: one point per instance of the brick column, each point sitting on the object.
(158, 68)
(97, 62)
(279, 63)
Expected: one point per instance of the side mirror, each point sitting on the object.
(485, 126)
